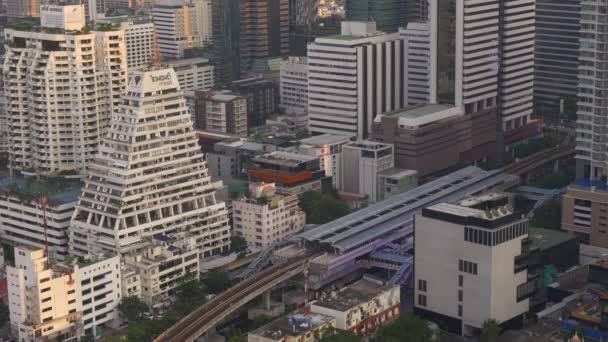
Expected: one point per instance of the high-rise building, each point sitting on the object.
(556, 44)
(204, 21)
(353, 77)
(470, 263)
(226, 40)
(361, 163)
(193, 73)
(262, 98)
(175, 22)
(222, 112)
(294, 88)
(149, 177)
(140, 42)
(60, 88)
(417, 63)
(389, 15)
(22, 8)
(282, 217)
(264, 30)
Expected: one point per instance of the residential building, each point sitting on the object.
(226, 40)
(556, 54)
(266, 217)
(343, 97)
(130, 283)
(140, 41)
(417, 64)
(264, 30)
(389, 15)
(62, 300)
(22, 213)
(193, 73)
(362, 306)
(394, 181)
(204, 21)
(294, 88)
(22, 8)
(175, 22)
(228, 159)
(222, 112)
(163, 265)
(4, 124)
(151, 136)
(262, 98)
(295, 327)
(361, 162)
(328, 148)
(52, 130)
(436, 138)
(292, 173)
(584, 208)
(470, 263)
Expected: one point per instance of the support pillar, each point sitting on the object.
(267, 305)
(556, 166)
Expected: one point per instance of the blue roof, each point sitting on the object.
(391, 257)
(172, 248)
(589, 183)
(163, 238)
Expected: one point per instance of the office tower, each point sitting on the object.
(483, 58)
(556, 44)
(361, 162)
(226, 40)
(389, 15)
(417, 11)
(193, 73)
(22, 8)
(352, 77)
(264, 30)
(204, 21)
(282, 216)
(149, 177)
(59, 301)
(175, 22)
(294, 88)
(416, 45)
(60, 89)
(140, 42)
(222, 112)
(470, 263)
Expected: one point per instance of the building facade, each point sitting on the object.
(193, 73)
(150, 177)
(389, 15)
(140, 42)
(175, 22)
(226, 31)
(361, 163)
(221, 111)
(584, 209)
(262, 98)
(328, 148)
(417, 64)
(22, 8)
(394, 181)
(470, 263)
(265, 217)
(52, 130)
(294, 88)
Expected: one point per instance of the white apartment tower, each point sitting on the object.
(149, 177)
(470, 265)
(294, 85)
(60, 89)
(416, 45)
(352, 78)
(139, 37)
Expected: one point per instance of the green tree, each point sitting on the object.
(189, 295)
(330, 334)
(407, 328)
(4, 314)
(216, 281)
(237, 243)
(322, 208)
(549, 215)
(490, 330)
(236, 339)
(132, 308)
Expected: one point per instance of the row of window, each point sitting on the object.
(493, 238)
(467, 266)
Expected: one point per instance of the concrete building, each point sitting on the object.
(296, 327)
(470, 263)
(556, 54)
(361, 307)
(52, 130)
(150, 154)
(221, 112)
(227, 160)
(584, 208)
(175, 22)
(294, 89)
(262, 98)
(416, 45)
(163, 265)
(140, 41)
(328, 148)
(433, 138)
(389, 15)
(62, 300)
(226, 32)
(204, 21)
(264, 30)
(193, 73)
(265, 217)
(394, 181)
(361, 163)
(344, 97)
(22, 214)
(130, 283)
(22, 8)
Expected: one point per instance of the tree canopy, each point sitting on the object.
(490, 330)
(407, 328)
(133, 309)
(237, 243)
(549, 215)
(333, 335)
(322, 208)
(216, 281)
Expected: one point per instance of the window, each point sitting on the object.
(467, 266)
(421, 300)
(459, 310)
(460, 280)
(460, 295)
(422, 285)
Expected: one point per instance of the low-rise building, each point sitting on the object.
(228, 159)
(362, 306)
(193, 73)
(295, 327)
(130, 283)
(221, 112)
(163, 266)
(361, 163)
(470, 263)
(265, 217)
(328, 148)
(394, 181)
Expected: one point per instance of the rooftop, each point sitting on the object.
(397, 172)
(548, 238)
(368, 145)
(361, 291)
(422, 115)
(325, 139)
(284, 158)
(176, 63)
(292, 325)
(58, 190)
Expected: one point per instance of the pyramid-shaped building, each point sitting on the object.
(149, 178)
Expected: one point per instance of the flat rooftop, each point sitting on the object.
(295, 325)
(58, 190)
(397, 172)
(548, 238)
(284, 158)
(422, 115)
(188, 61)
(325, 139)
(359, 292)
